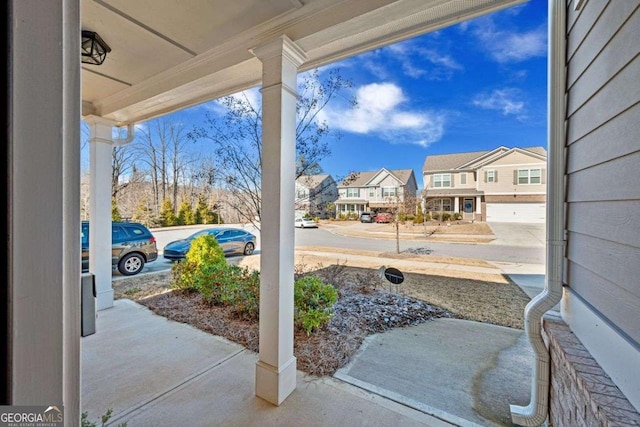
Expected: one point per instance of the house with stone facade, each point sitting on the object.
(499, 185)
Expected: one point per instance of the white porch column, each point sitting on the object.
(456, 204)
(101, 148)
(478, 204)
(276, 367)
(41, 300)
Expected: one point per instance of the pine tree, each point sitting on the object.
(167, 216)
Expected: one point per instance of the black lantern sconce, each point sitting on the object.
(94, 49)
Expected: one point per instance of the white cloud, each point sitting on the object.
(508, 46)
(412, 57)
(380, 112)
(504, 100)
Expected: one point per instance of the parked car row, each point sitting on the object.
(381, 218)
(133, 245)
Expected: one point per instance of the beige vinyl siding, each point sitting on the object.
(505, 181)
(603, 160)
(470, 177)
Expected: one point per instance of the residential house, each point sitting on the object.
(315, 195)
(378, 191)
(587, 369)
(500, 185)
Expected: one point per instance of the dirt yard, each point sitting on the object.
(433, 287)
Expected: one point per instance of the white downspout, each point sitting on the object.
(128, 139)
(536, 412)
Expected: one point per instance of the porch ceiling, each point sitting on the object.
(171, 54)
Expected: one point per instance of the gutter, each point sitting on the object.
(536, 412)
(130, 135)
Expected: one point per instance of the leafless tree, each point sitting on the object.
(237, 140)
(161, 147)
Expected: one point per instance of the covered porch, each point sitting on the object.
(160, 61)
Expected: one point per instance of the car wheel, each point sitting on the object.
(248, 248)
(131, 264)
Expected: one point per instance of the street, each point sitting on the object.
(495, 251)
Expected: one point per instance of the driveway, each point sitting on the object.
(518, 234)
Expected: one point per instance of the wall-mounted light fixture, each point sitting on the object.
(94, 49)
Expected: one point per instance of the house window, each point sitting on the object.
(463, 178)
(389, 191)
(439, 205)
(372, 192)
(529, 176)
(442, 180)
(353, 192)
(491, 176)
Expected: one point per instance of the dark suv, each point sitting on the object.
(133, 245)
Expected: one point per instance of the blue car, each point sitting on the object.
(233, 241)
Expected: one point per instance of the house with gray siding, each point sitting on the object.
(601, 277)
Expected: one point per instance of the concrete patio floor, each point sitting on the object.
(154, 372)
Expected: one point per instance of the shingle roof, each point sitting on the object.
(452, 161)
(538, 150)
(360, 179)
(311, 181)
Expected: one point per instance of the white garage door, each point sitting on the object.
(516, 212)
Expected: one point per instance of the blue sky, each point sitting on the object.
(474, 86)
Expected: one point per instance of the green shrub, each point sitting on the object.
(184, 276)
(232, 286)
(188, 275)
(457, 216)
(436, 216)
(446, 216)
(205, 251)
(313, 303)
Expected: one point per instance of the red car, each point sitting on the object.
(384, 217)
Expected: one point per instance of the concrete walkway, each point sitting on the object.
(464, 372)
(154, 372)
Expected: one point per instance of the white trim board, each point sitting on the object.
(619, 358)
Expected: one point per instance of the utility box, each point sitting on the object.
(88, 304)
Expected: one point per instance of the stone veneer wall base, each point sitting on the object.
(581, 394)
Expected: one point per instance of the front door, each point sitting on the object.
(468, 209)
